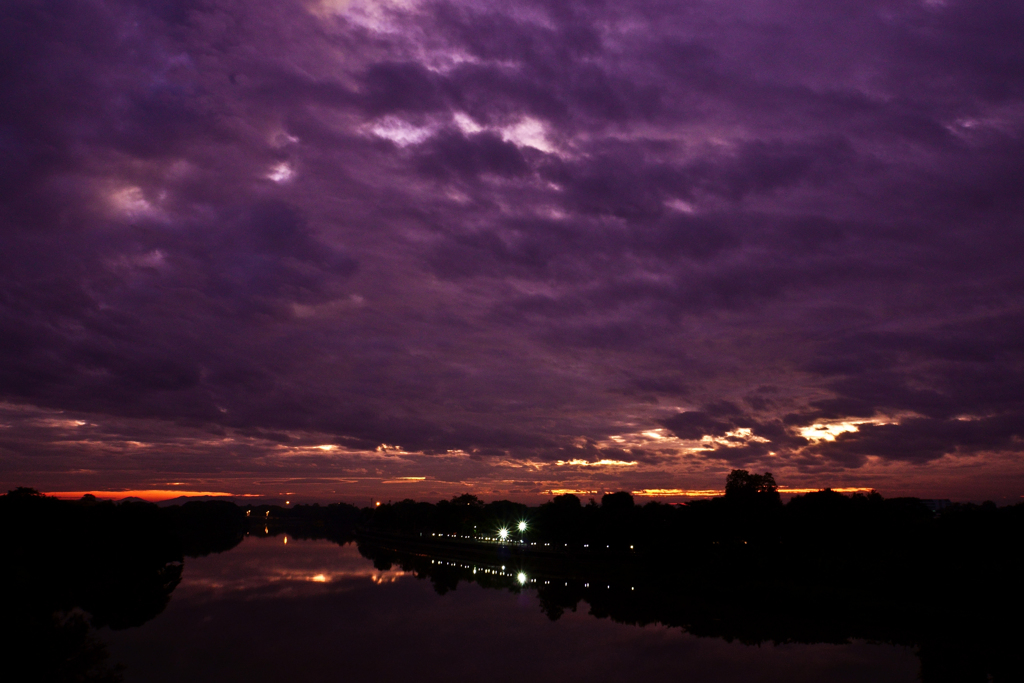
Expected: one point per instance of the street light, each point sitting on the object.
(522, 526)
(503, 533)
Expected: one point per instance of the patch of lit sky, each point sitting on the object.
(281, 173)
(131, 202)
(828, 431)
(524, 132)
(400, 131)
(597, 463)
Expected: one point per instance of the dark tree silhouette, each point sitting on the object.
(743, 484)
(617, 502)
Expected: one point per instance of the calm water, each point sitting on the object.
(315, 611)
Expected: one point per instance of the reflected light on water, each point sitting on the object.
(318, 591)
(389, 576)
(262, 566)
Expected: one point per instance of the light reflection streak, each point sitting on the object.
(389, 576)
(260, 578)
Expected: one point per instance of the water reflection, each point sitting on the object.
(258, 567)
(179, 594)
(259, 613)
(956, 638)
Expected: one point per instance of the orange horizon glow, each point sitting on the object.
(705, 493)
(689, 493)
(157, 495)
(837, 489)
(711, 493)
(151, 495)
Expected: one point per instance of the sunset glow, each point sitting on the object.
(152, 495)
(658, 493)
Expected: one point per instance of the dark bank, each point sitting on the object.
(823, 568)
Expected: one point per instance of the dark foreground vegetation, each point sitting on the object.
(823, 567)
(70, 566)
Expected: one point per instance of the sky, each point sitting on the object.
(367, 250)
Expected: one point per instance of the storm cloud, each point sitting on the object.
(512, 247)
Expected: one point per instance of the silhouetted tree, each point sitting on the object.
(743, 484)
(24, 492)
(560, 519)
(617, 502)
(566, 502)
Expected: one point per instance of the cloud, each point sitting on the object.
(502, 232)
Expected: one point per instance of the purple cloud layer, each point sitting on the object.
(485, 234)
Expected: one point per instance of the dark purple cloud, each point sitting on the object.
(682, 237)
